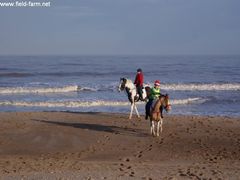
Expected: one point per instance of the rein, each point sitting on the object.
(168, 106)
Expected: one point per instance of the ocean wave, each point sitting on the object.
(196, 100)
(15, 75)
(19, 90)
(202, 87)
(73, 104)
(56, 89)
(87, 89)
(78, 104)
(113, 87)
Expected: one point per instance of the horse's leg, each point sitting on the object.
(131, 111)
(158, 125)
(161, 124)
(161, 118)
(151, 132)
(153, 128)
(135, 107)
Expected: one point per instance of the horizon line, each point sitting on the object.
(120, 55)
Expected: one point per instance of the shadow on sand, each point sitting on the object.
(76, 112)
(98, 127)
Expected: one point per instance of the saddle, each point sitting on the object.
(153, 106)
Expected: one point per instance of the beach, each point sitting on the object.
(81, 145)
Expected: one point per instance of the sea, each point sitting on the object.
(197, 85)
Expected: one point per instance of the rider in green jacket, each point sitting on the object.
(154, 94)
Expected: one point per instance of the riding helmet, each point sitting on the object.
(157, 83)
(139, 70)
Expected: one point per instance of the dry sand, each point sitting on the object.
(66, 145)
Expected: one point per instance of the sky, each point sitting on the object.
(122, 27)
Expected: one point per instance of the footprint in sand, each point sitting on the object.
(131, 174)
(150, 147)
(139, 154)
(125, 169)
(121, 169)
(127, 160)
(189, 174)
(5, 171)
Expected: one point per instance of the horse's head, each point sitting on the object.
(122, 84)
(166, 103)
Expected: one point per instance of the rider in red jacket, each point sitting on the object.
(139, 83)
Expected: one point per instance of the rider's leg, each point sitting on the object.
(139, 91)
(147, 108)
(146, 111)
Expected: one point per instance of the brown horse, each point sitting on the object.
(156, 113)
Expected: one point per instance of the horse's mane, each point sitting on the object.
(159, 101)
(157, 104)
(128, 81)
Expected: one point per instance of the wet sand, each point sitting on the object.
(68, 145)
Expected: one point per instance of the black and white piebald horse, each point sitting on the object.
(133, 97)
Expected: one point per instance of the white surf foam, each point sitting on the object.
(201, 87)
(73, 104)
(188, 101)
(76, 104)
(74, 88)
(19, 90)
(87, 89)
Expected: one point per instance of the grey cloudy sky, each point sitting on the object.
(122, 27)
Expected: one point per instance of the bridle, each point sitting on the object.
(122, 85)
(167, 107)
